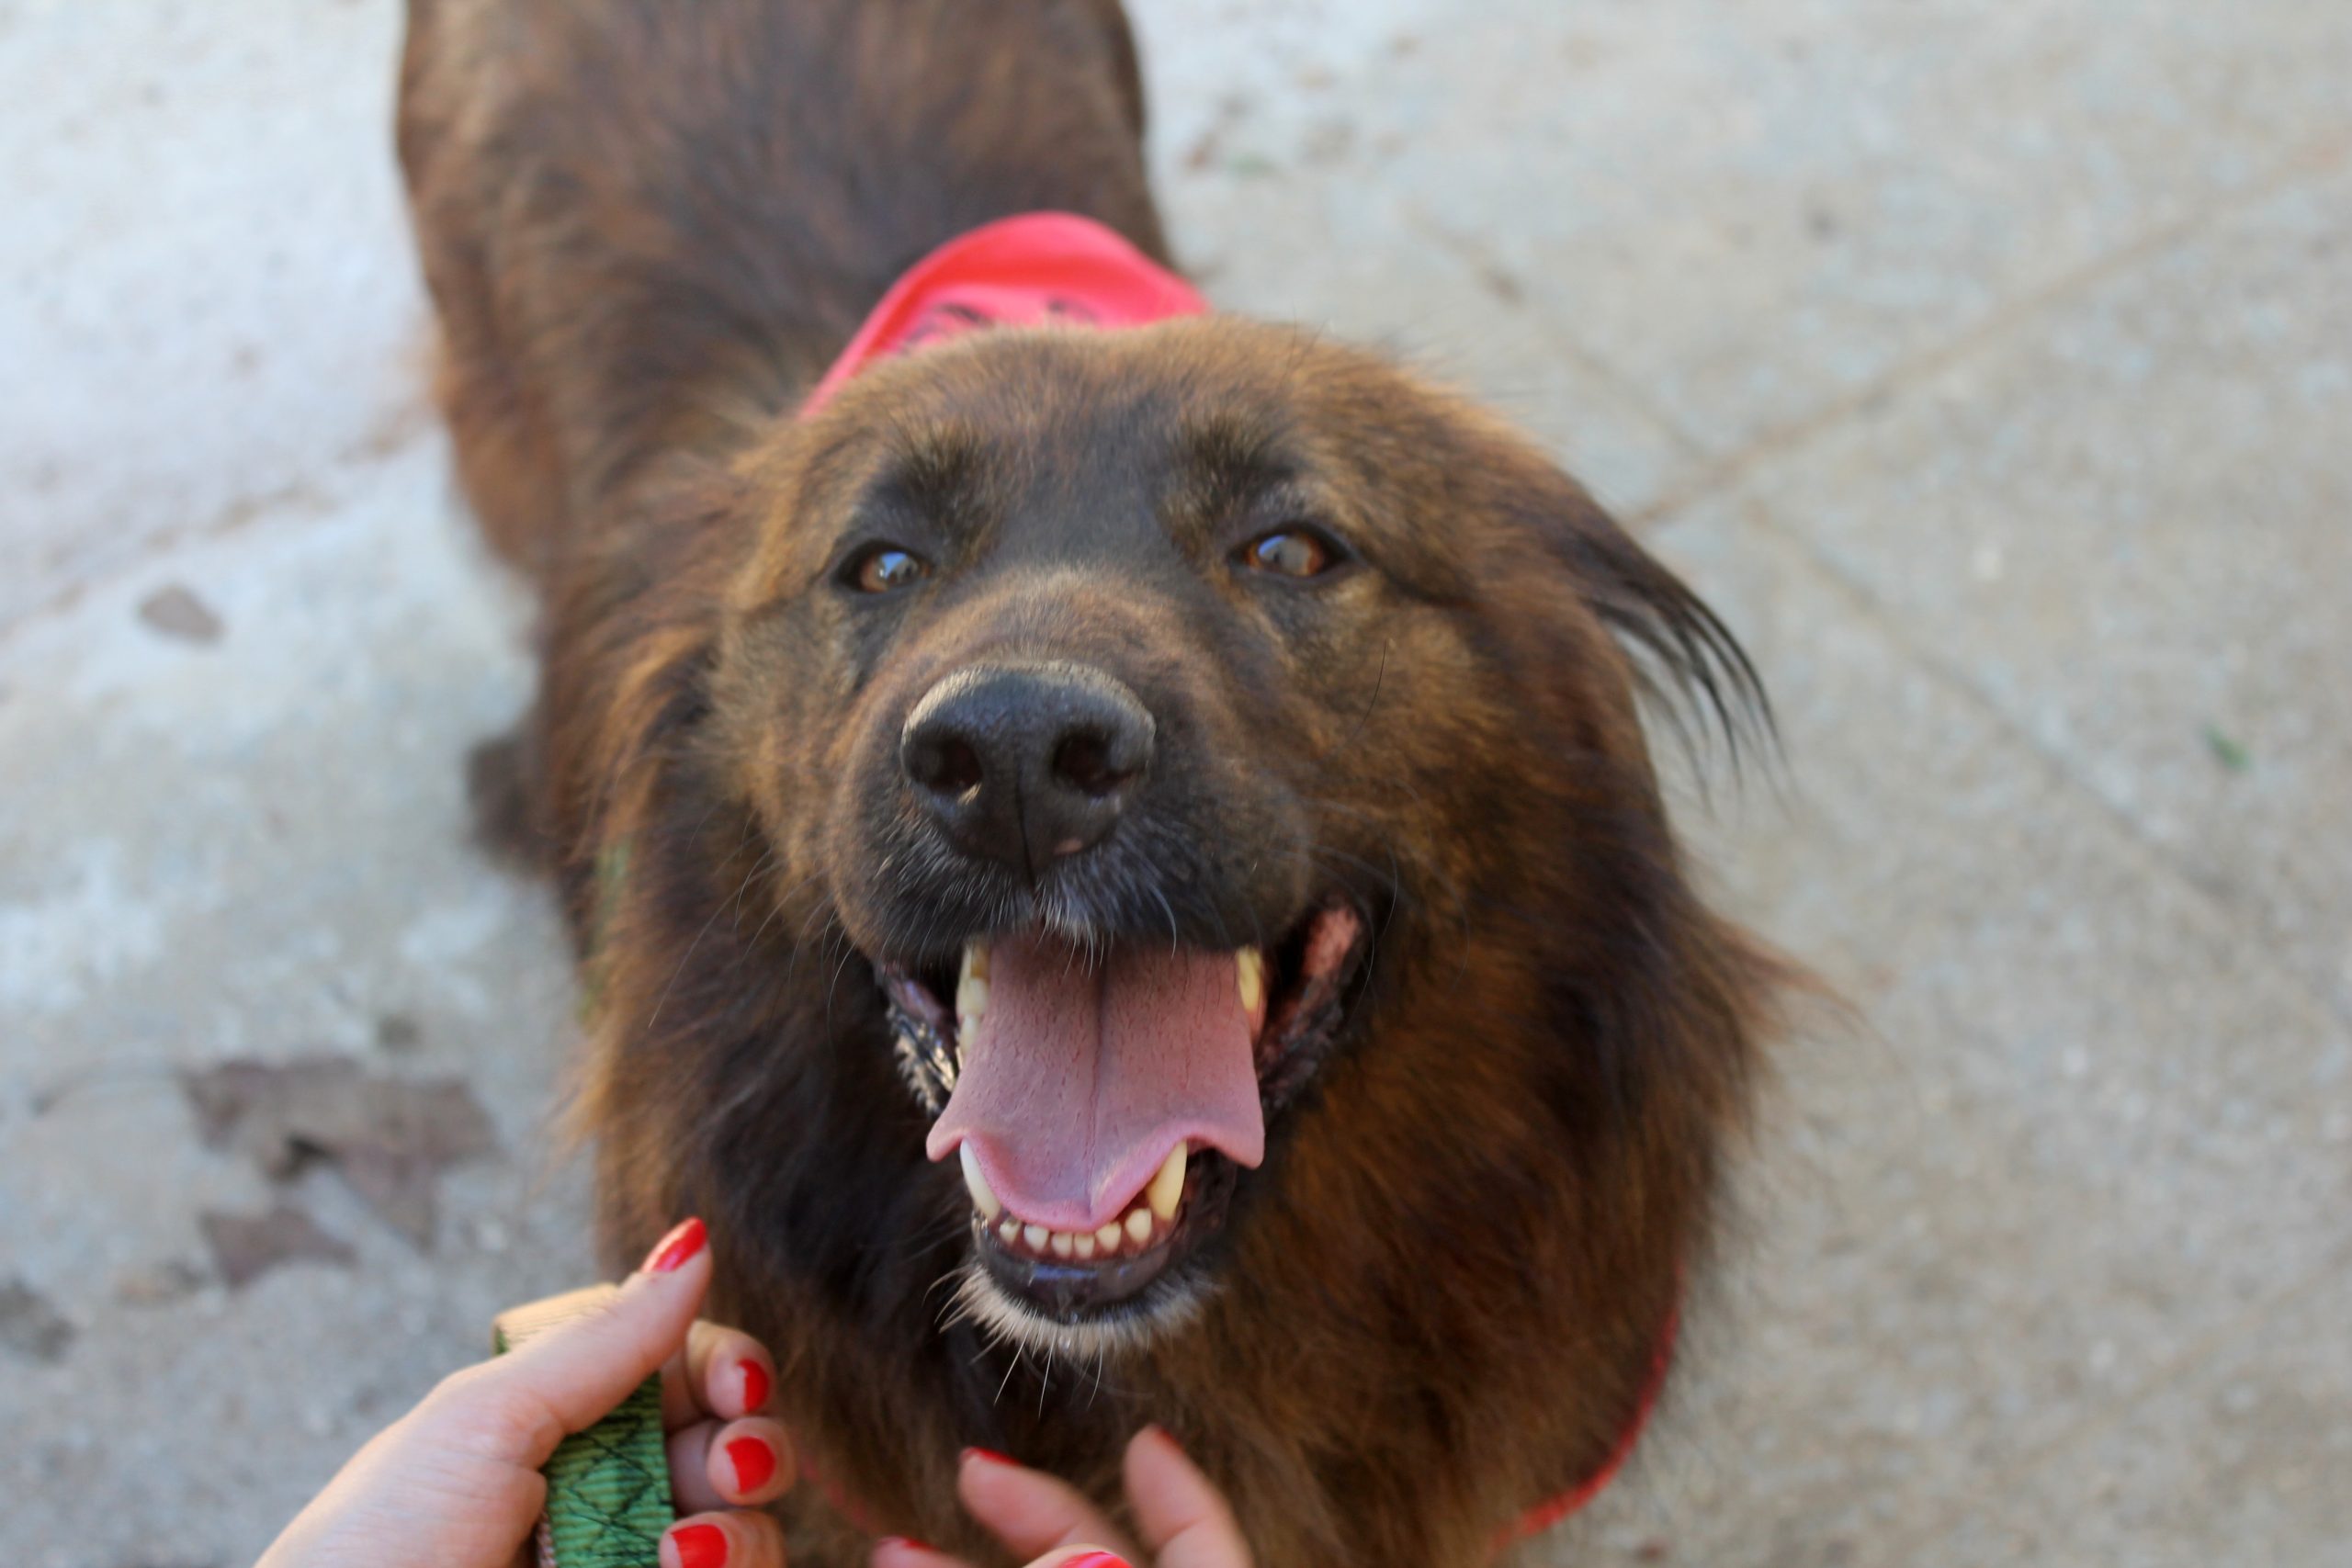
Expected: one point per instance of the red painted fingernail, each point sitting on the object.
(672, 1251)
(992, 1456)
(755, 1387)
(909, 1543)
(1096, 1560)
(700, 1546)
(754, 1462)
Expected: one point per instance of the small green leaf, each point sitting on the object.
(2226, 752)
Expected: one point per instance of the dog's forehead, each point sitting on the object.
(1057, 406)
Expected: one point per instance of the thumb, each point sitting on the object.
(597, 1346)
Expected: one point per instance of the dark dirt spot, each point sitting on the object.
(398, 1034)
(388, 1138)
(177, 613)
(1501, 284)
(31, 1326)
(246, 1246)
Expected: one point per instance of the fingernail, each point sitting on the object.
(700, 1546)
(755, 1387)
(992, 1457)
(909, 1543)
(754, 1462)
(672, 1251)
(1096, 1560)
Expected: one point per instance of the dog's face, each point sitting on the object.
(1144, 707)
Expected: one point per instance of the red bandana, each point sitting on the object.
(1017, 272)
(1053, 267)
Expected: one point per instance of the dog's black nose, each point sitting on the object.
(1023, 763)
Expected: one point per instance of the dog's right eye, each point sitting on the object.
(884, 568)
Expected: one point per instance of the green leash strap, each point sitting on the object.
(608, 1487)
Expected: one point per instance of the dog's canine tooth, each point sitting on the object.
(1108, 1237)
(1139, 1225)
(1249, 967)
(1062, 1244)
(972, 986)
(1167, 1189)
(983, 1198)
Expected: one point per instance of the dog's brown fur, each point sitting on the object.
(646, 229)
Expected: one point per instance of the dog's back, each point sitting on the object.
(647, 226)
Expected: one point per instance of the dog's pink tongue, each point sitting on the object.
(1080, 1079)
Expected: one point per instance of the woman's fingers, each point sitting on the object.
(1030, 1511)
(724, 1540)
(729, 1464)
(514, 1408)
(1184, 1519)
(899, 1553)
(722, 1372)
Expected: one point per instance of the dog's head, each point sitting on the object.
(1159, 714)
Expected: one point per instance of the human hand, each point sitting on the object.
(456, 1481)
(1183, 1521)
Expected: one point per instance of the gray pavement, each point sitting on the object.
(1989, 366)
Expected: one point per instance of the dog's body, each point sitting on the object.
(648, 229)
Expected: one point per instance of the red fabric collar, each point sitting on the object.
(1552, 1510)
(1056, 268)
(1037, 268)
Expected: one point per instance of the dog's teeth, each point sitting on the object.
(1035, 1236)
(1008, 1230)
(1063, 1243)
(1108, 1237)
(1139, 1225)
(972, 986)
(1249, 965)
(1083, 1245)
(1167, 1189)
(982, 1199)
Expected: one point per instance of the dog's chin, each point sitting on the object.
(1148, 1270)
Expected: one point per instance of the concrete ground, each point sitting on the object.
(1989, 366)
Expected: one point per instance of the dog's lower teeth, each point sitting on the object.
(983, 1198)
(1167, 1189)
(1155, 1210)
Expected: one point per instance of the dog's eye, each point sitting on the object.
(884, 568)
(1294, 551)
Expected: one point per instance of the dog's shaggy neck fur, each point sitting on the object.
(647, 239)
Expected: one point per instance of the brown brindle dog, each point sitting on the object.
(1045, 691)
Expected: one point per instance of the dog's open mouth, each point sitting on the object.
(1103, 1107)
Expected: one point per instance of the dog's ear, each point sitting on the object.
(635, 638)
(1685, 659)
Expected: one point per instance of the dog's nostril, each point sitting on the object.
(1084, 760)
(957, 769)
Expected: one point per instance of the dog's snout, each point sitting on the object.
(1024, 763)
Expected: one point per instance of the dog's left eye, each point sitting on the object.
(1294, 551)
(884, 568)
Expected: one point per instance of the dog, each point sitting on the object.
(1120, 868)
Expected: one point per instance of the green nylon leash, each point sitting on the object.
(608, 1487)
